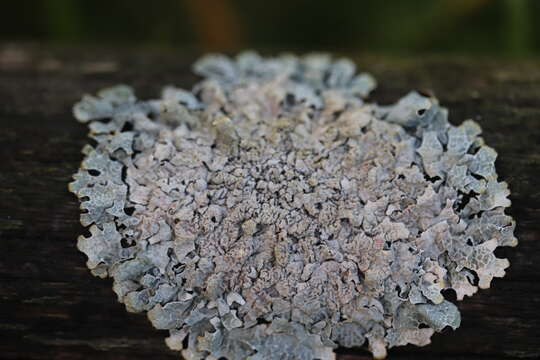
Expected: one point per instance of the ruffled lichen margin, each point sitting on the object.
(271, 213)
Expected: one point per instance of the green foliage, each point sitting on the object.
(503, 27)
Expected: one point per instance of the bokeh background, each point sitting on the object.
(477, 27)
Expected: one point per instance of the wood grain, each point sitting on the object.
(52, 308)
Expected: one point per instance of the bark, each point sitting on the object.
(51, 306)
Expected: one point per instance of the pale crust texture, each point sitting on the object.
(272, 213)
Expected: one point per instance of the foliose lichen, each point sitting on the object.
(271, 213)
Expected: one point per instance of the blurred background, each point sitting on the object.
(477, 27)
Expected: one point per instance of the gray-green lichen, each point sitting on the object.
(271, 213)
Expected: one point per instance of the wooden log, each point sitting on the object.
(52, 308)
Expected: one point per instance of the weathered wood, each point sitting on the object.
(50, 305)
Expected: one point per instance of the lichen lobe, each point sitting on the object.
(272, 213)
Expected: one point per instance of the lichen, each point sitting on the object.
(272, 213)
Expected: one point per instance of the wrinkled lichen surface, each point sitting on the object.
(271, 213)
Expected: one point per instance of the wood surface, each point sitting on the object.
(52, 308)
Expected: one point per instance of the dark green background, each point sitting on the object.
(480, 27)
